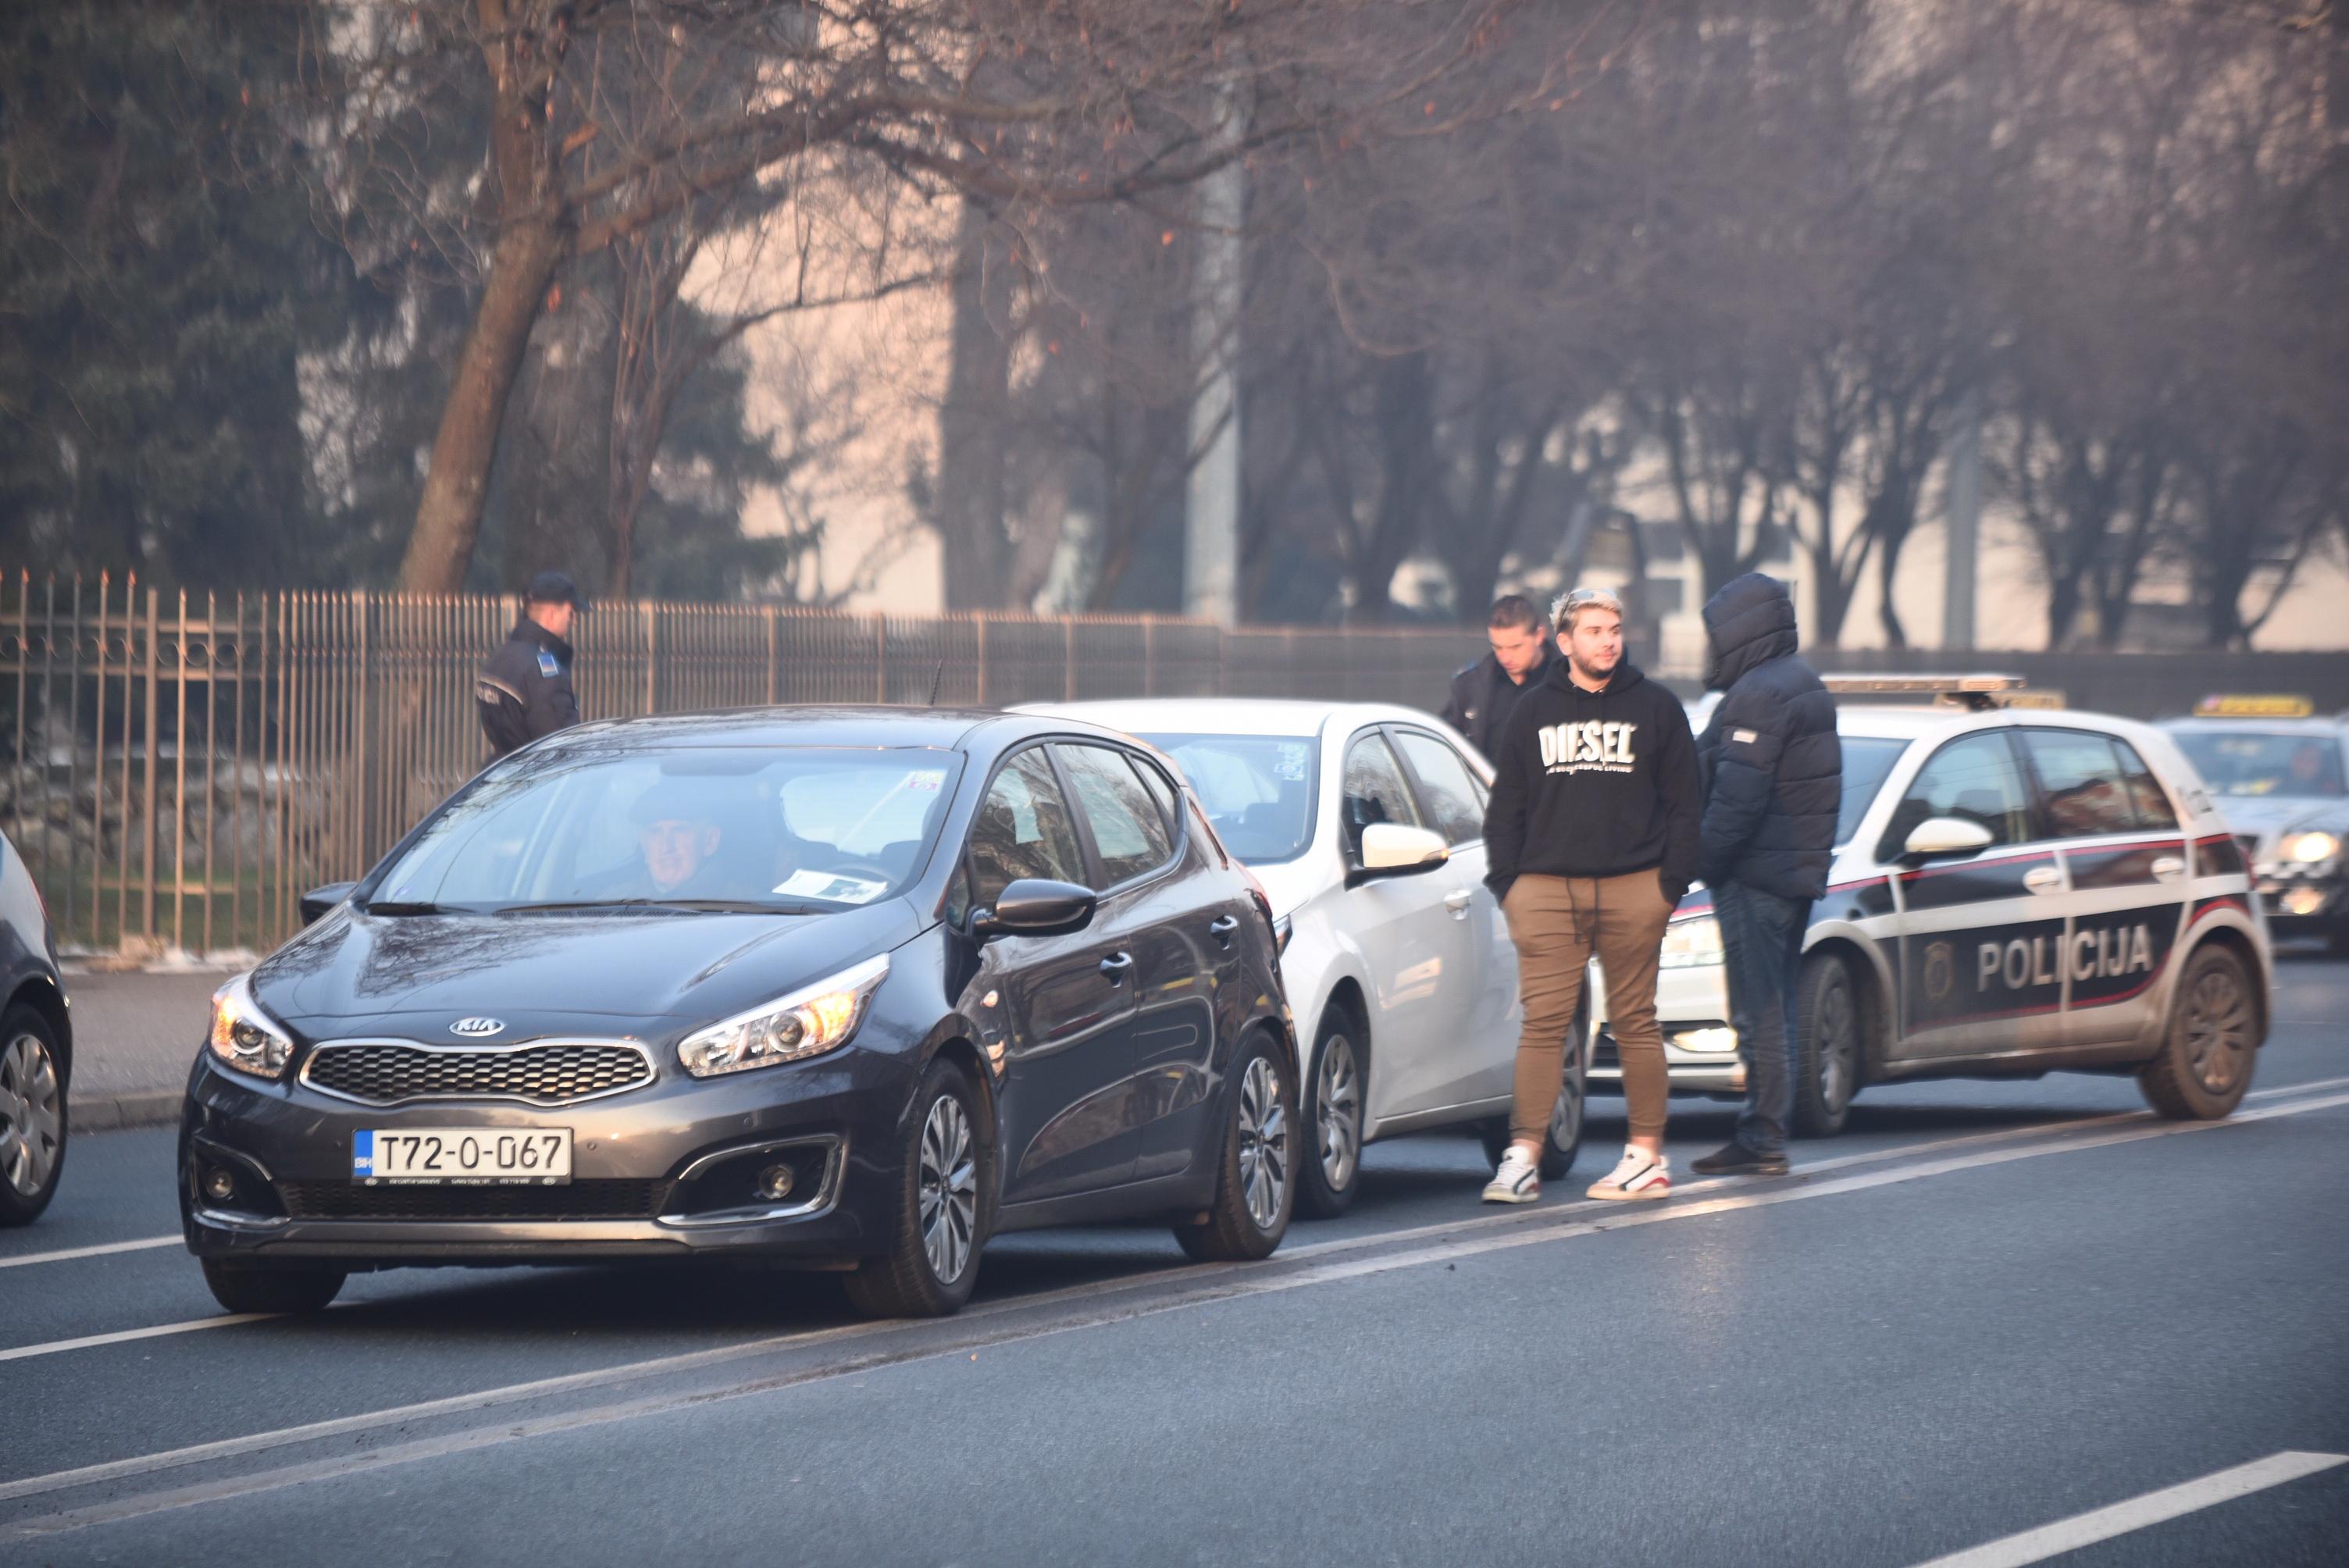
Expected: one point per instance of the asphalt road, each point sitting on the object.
(1988, 1309)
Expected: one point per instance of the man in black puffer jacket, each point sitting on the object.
(1774, 784)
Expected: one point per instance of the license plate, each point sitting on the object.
(464, 1156)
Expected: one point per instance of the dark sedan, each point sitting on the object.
(848, 988)
(35, 1047)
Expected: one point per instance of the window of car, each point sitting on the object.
(1162, 789)
(1867, 759)
(2080, 782)
(1024, 830)
(2146, 797)
(1258, 791)
(1448, 791)
(1373, 790)
(2264, 762)
(1973, 779)
(1129, 834)
(791, 828)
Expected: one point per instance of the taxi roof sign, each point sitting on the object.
(1975, 691)
(2237, 705)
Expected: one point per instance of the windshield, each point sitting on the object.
(2264, 762)
(797, 828)
(1259, 790)
(1865, 760)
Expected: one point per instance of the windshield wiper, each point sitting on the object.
(664, 905)
(409, 906)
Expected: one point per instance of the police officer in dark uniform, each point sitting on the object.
(525, 691)
(1484, 693)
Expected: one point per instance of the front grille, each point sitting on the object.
(579, 1201)
(387, 1072)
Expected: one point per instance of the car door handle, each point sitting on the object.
(1222, 927)
(2044, 878)
(1457, 901)
(2169, 868)
(1116, 965)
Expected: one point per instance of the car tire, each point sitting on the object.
(1830, 1046)
(1566, 1114)
(245, 1288)
(2210, 1044)
(942, 1206)
(1330, 1170)
(31, 1115)
(1255, 1164)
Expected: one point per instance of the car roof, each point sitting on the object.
(1226, 715)
(842, 725)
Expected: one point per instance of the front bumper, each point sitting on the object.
(1691, 1008)
(2303, 903)
(662, 1173)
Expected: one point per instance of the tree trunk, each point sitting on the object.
(968, 509)
(448, 516)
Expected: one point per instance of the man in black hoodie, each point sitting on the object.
(1485, 693)
(1590, 840)
(1773, 776)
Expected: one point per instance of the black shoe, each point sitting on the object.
(1734, 1159)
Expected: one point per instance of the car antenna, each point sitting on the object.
(935, 677)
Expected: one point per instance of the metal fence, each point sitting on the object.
(176, 768)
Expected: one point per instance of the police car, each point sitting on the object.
(2281, 777)
(2014, 890)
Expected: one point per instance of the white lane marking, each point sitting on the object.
(142, 1244)
(1564, 1227)
(2152, 1508)
(123, 1336)
(2309, 1087)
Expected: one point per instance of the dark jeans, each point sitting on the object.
(1762, 941)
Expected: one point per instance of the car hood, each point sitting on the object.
(2273, 816)
(417, 975)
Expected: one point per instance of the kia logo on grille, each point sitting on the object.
(478, 1028)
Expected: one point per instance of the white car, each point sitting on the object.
(2014, 891)
(1364, 822)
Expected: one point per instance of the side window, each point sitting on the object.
(1446, 788)
(1162, 789)
(2150, 800)
(1374, 791)
(1127, 828)
(2082, 780)
(1973, 779)
(1023, 830)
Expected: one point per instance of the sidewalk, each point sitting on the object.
(135, 1037)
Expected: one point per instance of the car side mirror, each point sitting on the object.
(1942, 838)
(1392, 850)
(1036, 906)
(319, 900)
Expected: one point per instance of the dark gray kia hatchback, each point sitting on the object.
(853, 988)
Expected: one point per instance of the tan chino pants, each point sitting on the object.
(1556, 923)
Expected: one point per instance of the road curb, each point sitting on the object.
(112, 1113)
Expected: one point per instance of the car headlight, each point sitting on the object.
(807, 1023)
(1689, 944)
(244, 1037)
(2312, 847)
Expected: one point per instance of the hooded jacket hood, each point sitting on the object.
(1746, 624)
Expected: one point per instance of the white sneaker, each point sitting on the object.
(1639, 1174)
(1518, 1180)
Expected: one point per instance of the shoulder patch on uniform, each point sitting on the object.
(1745, 736)
(548, 664)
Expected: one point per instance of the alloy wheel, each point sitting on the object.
(1565, 1114)
(949, 1189)
(2218, 1030)
(29, 1115)
(1337, 1105)
(1264, 1143)
(1835, 1034)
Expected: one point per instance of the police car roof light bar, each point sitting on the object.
(1978, 692)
